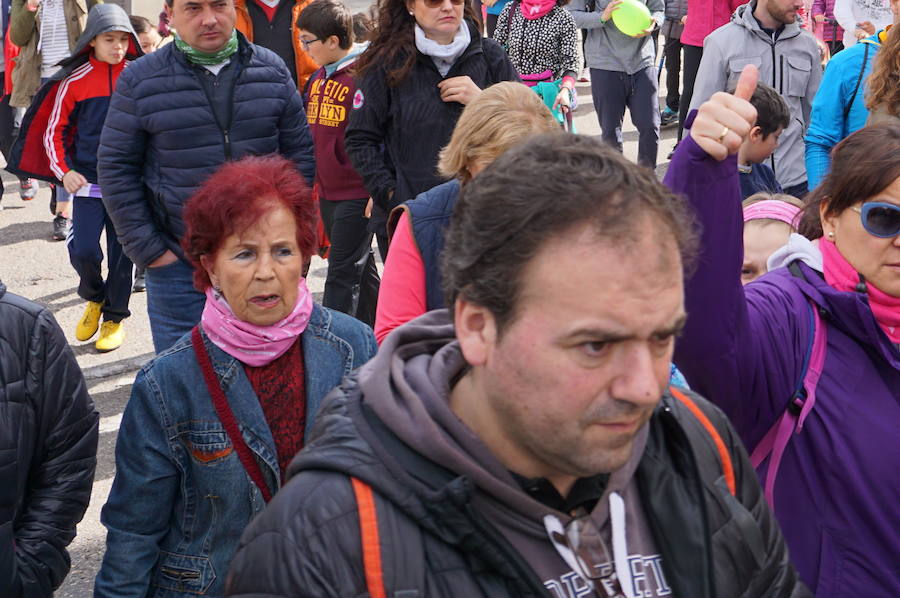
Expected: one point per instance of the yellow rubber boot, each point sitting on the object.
(90, 321)
(111, 336)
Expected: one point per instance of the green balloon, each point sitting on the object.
(632, 17)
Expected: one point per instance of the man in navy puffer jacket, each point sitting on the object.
(175, 117)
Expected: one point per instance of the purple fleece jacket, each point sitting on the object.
(837, 497)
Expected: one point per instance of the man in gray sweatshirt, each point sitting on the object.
(525, 442)
(766, 33)
(623, 73)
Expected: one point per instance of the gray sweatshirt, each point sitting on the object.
(789, 63)
(609, 49)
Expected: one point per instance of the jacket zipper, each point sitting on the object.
(109, 72)
(780, 90)
(226, 138)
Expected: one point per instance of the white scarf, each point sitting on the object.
(444, 56)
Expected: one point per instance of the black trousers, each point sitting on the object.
(352, 282)
(692, 56)
(672, 52)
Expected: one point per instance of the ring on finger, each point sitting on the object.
(721, 137)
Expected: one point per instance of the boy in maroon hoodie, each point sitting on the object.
(326, 33)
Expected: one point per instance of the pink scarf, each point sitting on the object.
(535, 9)
(251, 344)
(841, 275)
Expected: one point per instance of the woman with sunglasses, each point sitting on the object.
(426, 62)
(805, 360)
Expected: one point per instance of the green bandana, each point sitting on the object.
(202, 58)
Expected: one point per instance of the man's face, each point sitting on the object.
(784, 11)
(584, 361)
(205, 25)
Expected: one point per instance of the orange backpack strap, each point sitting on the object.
(724, 455)
(368, 533)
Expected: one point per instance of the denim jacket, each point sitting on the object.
(181, 497)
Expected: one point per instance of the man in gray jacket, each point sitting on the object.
(623, 73)
(766, 33)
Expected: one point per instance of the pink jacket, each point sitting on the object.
(704, 17)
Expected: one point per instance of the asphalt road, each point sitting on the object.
(34, 266)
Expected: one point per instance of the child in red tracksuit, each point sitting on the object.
(64, 124)
(351, 285)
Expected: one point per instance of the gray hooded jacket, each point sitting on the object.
(609, 49)
(789, 63)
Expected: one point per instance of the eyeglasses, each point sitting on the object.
(582, 547)
(305, 43)
(437, 3)
(880, 219)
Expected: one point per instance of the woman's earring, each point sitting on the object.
(830, 235)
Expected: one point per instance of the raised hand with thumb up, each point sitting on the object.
(725, 119)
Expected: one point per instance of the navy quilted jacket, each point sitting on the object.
(161, 139)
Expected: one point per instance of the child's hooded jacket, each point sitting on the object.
(70, 109)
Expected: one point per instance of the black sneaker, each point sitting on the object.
(672, 153)
(668, 117)
(140, 285)
(60, 227)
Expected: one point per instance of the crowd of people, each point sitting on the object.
(568, 379)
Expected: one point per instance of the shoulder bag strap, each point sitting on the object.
(724, 455)
(226, 415)
(859, 79)
(369, 538)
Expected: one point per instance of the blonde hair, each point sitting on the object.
(502, 116)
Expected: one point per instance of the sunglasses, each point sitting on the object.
(581, 546)
(437, 3)
(880, 219)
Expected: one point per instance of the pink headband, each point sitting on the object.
(773, 209)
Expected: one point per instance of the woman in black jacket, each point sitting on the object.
(427, 61)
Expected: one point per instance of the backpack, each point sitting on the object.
(775, 441)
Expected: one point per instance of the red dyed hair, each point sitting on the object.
(239, 194)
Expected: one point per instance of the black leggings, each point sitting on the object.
(692, 56)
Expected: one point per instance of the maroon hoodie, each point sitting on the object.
(329, 100)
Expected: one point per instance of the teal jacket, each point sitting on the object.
(828, 125)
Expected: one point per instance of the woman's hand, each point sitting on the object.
(607, 12)
(645, 32)
(866, 26)
(73, 181)
(725, 120)
(459, 89)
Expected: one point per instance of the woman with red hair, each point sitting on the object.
(214, 421)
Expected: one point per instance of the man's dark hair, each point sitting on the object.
(141, 24)
(324, 18)
(772, 112)
(539, 191)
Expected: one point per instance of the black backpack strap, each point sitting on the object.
(859, 79)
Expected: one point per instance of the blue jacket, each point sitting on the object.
(827, 125)
(181, 497)
(161, 139)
